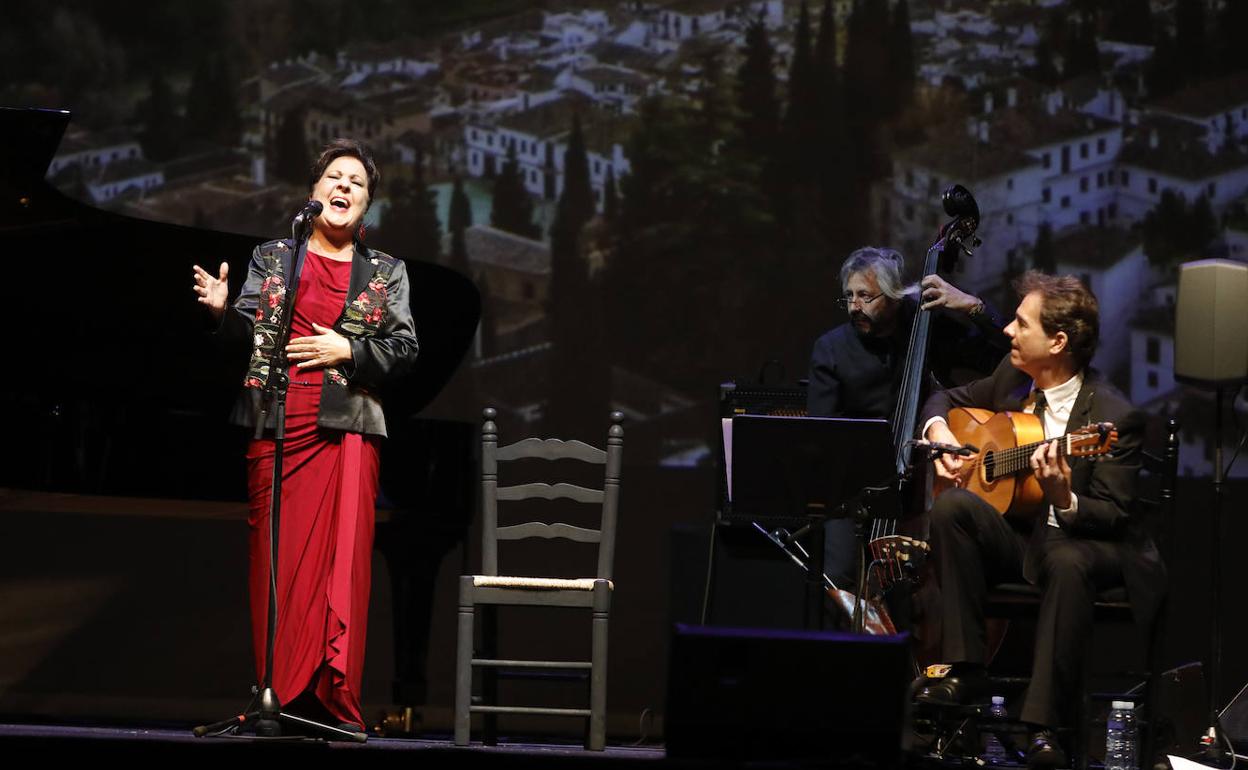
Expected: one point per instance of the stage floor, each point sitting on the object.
(168, 744)
(109, 743)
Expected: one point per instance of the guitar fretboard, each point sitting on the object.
(1004, 462)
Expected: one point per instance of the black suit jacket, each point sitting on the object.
(1106, 487)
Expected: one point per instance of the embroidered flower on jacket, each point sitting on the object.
(335, 376)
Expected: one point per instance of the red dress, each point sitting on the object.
(329, 489)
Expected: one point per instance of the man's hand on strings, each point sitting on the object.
(937, 292)
(1053, 473)
(328, 348)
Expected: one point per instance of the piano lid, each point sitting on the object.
(122, 285)
(112, 385)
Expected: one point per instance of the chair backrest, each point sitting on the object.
(549, 449)
(1164, 468)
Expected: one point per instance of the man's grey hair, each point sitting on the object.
(885, 263)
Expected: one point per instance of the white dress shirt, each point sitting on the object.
(1060, 400)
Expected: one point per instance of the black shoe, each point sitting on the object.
(954, 690)
(1045, 752)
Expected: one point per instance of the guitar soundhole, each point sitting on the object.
(990, 466)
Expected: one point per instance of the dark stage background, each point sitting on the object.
(650, 199)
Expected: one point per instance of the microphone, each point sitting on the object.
(299, 225)
(311, 210)
(937, 448)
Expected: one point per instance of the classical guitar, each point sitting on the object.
(1001, 472)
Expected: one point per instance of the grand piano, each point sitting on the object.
(114, 388)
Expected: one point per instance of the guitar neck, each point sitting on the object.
(1018, 458)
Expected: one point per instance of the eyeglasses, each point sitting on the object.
(849, 300)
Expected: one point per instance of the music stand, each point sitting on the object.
(816, 468)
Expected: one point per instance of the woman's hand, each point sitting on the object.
(947, 465)
(213, 292)
(329, 348)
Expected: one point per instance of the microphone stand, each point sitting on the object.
(267, 718)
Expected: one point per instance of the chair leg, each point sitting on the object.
(487, 619)
(463, 663)
(598, 669)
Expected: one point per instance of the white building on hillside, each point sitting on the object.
(540, 139)
(1169, 154)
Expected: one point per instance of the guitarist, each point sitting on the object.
(1083, 541)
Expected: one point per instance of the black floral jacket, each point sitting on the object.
(376, 319)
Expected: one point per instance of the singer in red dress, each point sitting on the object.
(351, 333)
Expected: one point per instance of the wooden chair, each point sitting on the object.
(491, 588)
(1012, 601)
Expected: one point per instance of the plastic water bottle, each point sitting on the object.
(1120, 739)
(994, 752)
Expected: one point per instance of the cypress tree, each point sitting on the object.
(610, 197)
(1175, 232)
(1131, 21)
(291, 159)
(488, 325)
(756, 95)
(459, 219)
(834, 160)
(1164, 72)
(161, 127)
(867, 76)
(901, 58)
(1190, 38)
(1043, 258)
(1079, 52)
(1052, 42)
(800, 115)
(212, 112)
(576, 204)
(511, 209)
(1231, 55)
(578, 379)
(410, 227)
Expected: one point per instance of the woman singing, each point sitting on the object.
(351, 333)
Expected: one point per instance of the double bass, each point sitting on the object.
(896, 557)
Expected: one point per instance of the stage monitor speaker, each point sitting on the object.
(768, 694)
(1211, 323)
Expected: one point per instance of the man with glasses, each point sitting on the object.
(856, 368)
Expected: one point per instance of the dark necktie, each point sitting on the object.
(1040, 405)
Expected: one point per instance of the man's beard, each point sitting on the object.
(861, 322)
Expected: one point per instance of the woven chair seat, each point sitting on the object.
(537, 583)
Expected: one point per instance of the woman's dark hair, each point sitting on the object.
(351, 148)
(1066, 305)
